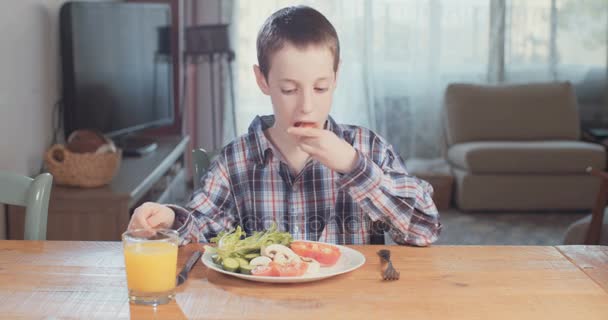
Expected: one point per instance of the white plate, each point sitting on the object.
(349, 260)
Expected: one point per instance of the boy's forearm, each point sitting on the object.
(413, 218)
(403, 201)
(362, 179)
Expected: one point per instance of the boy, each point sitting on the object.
(316, 179)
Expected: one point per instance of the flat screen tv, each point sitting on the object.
(116, 63)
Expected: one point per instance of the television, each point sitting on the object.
(117, 69)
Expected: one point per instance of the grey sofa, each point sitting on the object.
(517, 147)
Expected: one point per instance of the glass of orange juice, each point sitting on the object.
(151, 265)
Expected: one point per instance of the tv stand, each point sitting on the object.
(136, 146)
(102, 214)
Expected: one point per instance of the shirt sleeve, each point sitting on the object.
(388, 193)
(210, 210)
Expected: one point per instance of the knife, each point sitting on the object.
(183, 275)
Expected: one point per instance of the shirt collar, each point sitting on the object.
(261, 147)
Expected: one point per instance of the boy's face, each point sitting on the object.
(300, 83)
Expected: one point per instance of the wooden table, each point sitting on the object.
(87, 280)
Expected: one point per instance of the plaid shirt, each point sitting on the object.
(249, 185)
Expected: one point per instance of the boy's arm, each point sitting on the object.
(388, 193)
(209, 211)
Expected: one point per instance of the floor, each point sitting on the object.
(491, 228)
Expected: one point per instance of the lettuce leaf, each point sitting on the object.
(235, 243)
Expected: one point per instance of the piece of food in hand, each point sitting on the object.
(301, 124)
(326, 254)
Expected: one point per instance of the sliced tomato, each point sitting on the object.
(326, 254)
(305, 124)
(293, 269)
(265, 271)
(302, 249)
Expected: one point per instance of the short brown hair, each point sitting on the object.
(300, 26)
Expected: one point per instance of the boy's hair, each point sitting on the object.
(300, 26)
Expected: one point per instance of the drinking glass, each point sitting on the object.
(151, 265)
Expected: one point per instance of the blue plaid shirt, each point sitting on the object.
(249, 185)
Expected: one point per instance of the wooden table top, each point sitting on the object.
(54, 279)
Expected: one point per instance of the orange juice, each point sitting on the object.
(151, 266)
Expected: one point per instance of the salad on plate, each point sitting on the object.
(270, 253)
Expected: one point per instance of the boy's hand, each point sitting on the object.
(151, 216)
(325, 147)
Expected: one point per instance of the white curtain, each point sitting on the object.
(561, 40)
(399, 55)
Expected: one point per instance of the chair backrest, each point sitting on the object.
(536, 111)
(201, 160)
(594, 232)
(33, 194)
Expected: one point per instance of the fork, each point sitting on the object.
(389, 273)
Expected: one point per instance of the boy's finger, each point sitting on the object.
(311, 141)
(138, 222)
(143, 211)
(155, 220)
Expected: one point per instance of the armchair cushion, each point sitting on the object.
(554, 157)
(528, 112)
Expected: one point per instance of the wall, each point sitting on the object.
(29, 83)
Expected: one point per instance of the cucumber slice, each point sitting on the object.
(246, 269)
(230, 264)
(250, 256)
(242, 262)
(216, 259)
(244, 266)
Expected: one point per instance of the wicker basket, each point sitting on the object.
(87, 170)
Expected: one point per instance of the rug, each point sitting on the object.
(494, 228)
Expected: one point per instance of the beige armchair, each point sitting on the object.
(517, 147)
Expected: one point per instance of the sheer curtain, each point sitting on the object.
(399, 55)
(561, 40)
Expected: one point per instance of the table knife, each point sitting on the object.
(183, 275)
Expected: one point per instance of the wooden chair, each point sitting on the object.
(589, 230)
(33, 194)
